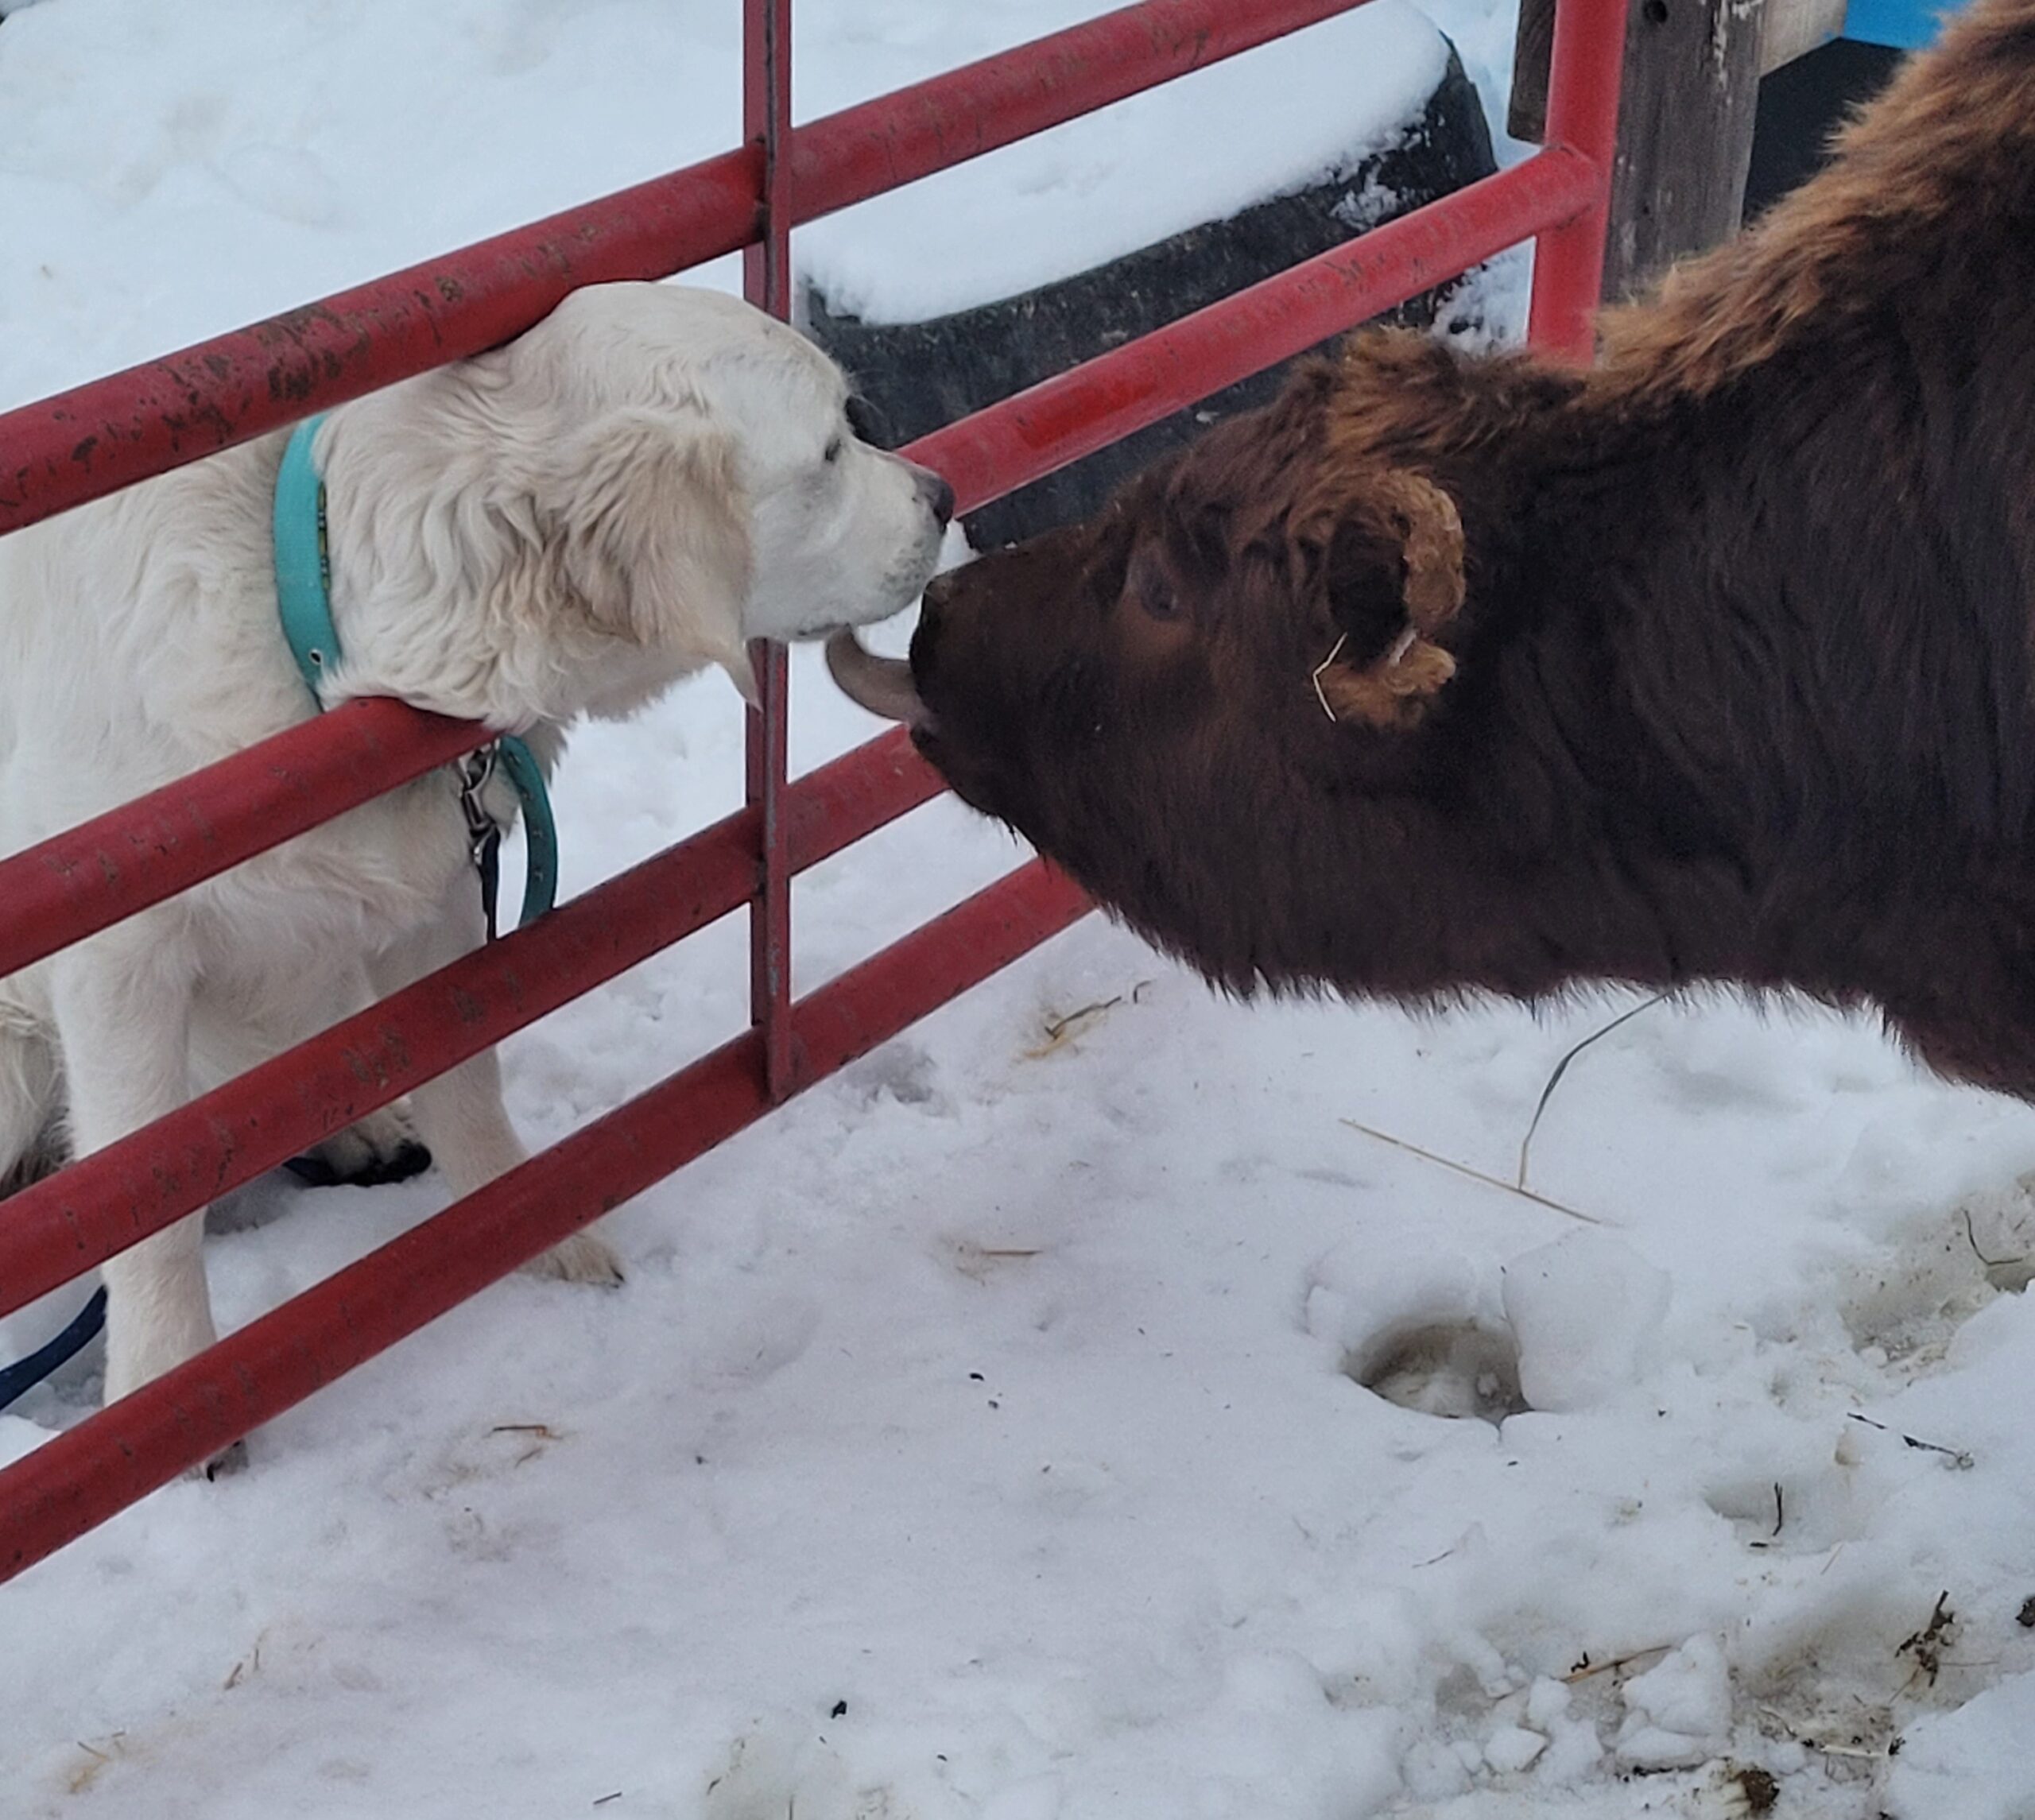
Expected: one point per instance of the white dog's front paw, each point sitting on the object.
(585, 1257)
(129, 1366)
(377, 1148)
(223, 1465)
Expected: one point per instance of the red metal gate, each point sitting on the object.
(107, 435)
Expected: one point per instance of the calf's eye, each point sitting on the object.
(834, 450)
(1147, 583)
(1156, 596)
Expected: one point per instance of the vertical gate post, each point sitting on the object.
(1689, 101)
(767, 93)
(1691, 98)
(1582, 115)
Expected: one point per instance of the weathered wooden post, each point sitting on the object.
(1685, 124)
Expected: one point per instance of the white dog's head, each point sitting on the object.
(649, 478)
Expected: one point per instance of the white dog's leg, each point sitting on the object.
(460, 1115)
(122, 1006)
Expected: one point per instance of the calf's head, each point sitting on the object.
(1168, 699)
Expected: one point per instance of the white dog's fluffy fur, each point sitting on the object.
(646, 480)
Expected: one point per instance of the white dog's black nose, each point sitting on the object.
(939, 497)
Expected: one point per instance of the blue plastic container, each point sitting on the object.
(1906, 24)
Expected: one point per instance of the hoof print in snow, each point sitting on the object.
(1420, 1328)
(918, 375)
(1458, 1369)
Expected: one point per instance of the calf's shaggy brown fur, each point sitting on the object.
(1713, 664)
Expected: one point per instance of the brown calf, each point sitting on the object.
(1447, 674)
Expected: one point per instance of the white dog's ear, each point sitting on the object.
(646, 527)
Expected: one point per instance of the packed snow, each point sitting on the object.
(1076, 197)
(1105, 1400)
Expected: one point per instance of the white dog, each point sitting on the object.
(646, 480)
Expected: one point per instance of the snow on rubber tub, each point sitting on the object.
(130, 426)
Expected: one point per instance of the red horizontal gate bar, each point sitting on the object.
(116, 1197)
(85, 1475)
(91, 876)
(1106, 399)
(98, 438)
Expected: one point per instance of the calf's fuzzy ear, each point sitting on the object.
(1430, 532)
(1390, 563)
(646, 527)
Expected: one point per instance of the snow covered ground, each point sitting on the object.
(1087, 1407)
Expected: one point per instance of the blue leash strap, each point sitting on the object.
(540, 831)
(303, 600)
(21, 1376)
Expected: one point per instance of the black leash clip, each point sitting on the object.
(483, 832)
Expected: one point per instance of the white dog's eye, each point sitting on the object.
(834, 449)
